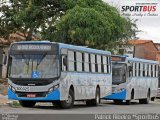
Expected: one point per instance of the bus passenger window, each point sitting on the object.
(71, 61)
(143, 70)
(64, 62)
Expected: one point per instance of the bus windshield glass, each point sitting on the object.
(118, 73)
(33, 66)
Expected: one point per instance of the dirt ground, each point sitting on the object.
(3, 94)
(3, 100)
(3, 89)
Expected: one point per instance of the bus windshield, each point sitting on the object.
(33, 66)
(118, 73)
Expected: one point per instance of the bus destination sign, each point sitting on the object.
(31, 47)
(118, 59)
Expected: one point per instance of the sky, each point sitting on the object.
(150, 26)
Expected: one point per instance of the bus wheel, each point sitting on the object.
(141, 101)
(153, 98)
(146, 101)
(27, 103)
(68, 103)
(56, 103)
(128, 102)
(117, 102)
(88, 103)
(96, 101)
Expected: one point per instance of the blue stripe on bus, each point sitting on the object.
(117, 96)
(55, 95)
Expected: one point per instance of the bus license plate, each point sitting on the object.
(31, 95)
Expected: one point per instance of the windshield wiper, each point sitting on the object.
(26, 61)
(39, 61)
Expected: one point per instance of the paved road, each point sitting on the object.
(81, 108)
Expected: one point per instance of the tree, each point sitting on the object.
(94, 24)
(91, 23)
(28, 16)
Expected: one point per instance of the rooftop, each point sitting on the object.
(136, 42)
(15, 37)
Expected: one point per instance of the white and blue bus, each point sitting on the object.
(58, 73)
(133, 78)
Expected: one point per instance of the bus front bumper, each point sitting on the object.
(54, 95)
(116, 96)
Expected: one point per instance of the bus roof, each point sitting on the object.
(142, 60)
(67, 46)
(136, 59)
(85, 49)
(32, 42)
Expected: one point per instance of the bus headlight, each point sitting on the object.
(9, 86)
(53, 88)
(120, 89)
(12, 88)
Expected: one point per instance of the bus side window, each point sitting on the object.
(64, 62)
(71, 61)
(124, 77)
(130, 70)
(143, 70)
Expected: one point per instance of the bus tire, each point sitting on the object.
(141, 101)
(96, 101)
(56, 103)
(117, 102)
(128, 102)
(27, 103)
(88, 103)
(66, 104)
(153, 98)
(146, 101)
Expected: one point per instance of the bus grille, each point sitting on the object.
(38, 94)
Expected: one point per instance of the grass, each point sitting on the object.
(15, 104)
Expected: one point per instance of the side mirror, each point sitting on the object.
(130, 68)
(64, 60)
(5, 60)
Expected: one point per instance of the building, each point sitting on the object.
(144, 49)
(4, 45)
(3, 52)
(157, 45)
